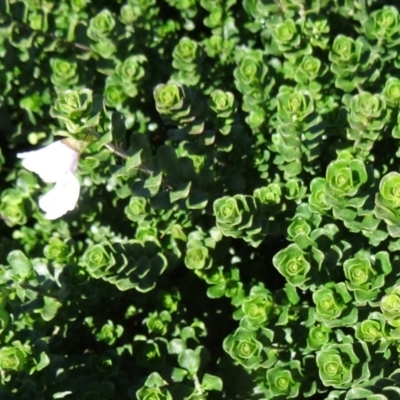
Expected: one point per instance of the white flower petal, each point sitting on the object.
(62, 198)
(51, 162)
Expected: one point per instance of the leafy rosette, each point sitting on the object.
(316, 199)
(145, 231)
(196, 257)
(257, 308)
(284, 380)
(222, 103)
(109, 333)
(170, 99)
(337, 365)
(158, 322)
(316, 28)
(291, 262)
(344, 179)
(345, 56)
(197, 253)
(99, 259)
(302, 225)
(287, 39)
(389, 189)
(259, 10)
(328, 305)
(299, 226)
(294, 189)
(64, 72)
(250, 73)
(228, 213)
(243, 347)
(100, 30)
(153, 389)
(298, 131)
(137, 209)
(238, 217)
(149, 355)
(14, 207)
(131, 71)
(251, 80)
(270, 197)
(372, 329)
(58, 250)
(390, 306)
(391, 92)
(101, 26)
(345, 52)
(175, 103)
(75, 109)
(363, 278)
(169, 300)
(107, 362)
(300, 232)
(114, 92)
(14, 358)
(359, 273)
(215, 18)
(387, 202)
(256, 118)
(130, 13)
(127, 265)
(383, 26)
(73, 104)
(151, 393)
(222, 283)
(185, 55)
(146, 262)
(294, 106)
(367, 111)
(308, 71)
(287, 143)
(318, 336)
(332, 306)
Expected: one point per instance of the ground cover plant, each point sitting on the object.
(200, 199)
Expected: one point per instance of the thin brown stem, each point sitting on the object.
(123, 154)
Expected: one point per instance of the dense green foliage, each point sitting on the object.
(238, 226)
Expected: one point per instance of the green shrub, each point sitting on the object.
(200, 199)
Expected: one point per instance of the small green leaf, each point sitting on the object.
(196, 200)
(189, 360)
(118, 129)
(49, 311)
(154, 380)
(134, 161)
(20, 264)
(176, 346)
(178, 374)
(106, 138)
(153, 183)
(292, 294)
(211, 382)
(188, 333)
(44, 361)
(167, 158)
(180, 192)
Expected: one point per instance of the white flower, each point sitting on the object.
(55, 163)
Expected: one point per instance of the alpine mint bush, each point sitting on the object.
(234, 231)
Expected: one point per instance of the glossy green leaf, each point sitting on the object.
(189, 360)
